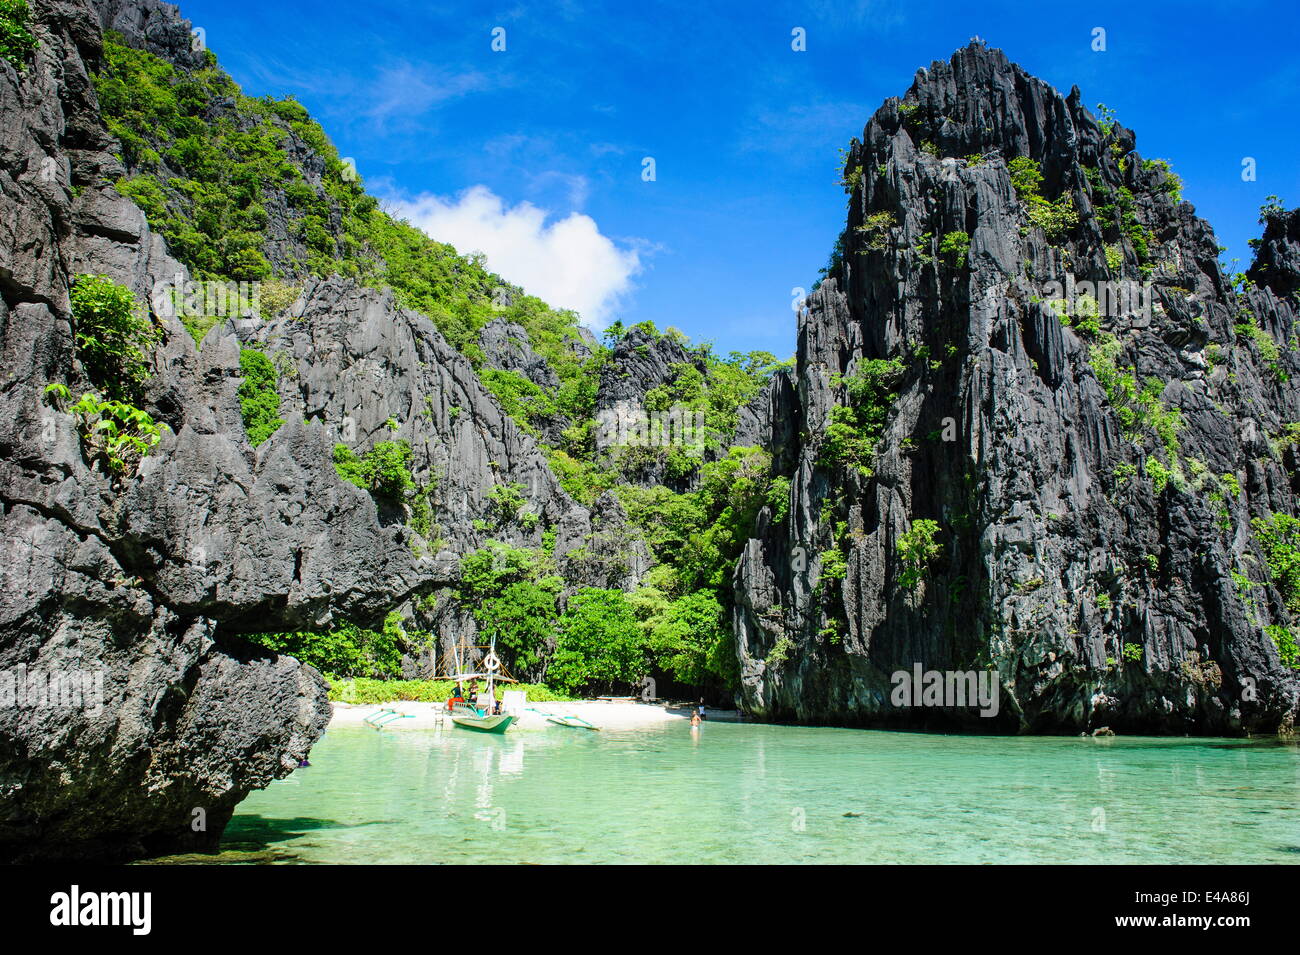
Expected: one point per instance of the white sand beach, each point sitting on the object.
(605, 714)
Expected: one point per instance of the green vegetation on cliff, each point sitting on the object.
(346, 650)
(210, 167)
(114, 336)
(259, 396)
(17, 44)
(222, 177)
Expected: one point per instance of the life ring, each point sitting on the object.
(490, 662)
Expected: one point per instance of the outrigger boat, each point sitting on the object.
(573, 722)
(473, 718)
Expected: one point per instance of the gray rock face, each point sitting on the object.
(614, 554)
(1097, 597)
(155, 726)
(153, 26)
(137, 591)
(364, 370)
(1277, 262)
(506, 346)
(640, 361)
(770, 421)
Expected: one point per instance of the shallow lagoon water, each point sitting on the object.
(746, 793)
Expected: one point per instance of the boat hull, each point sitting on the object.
(483, 724)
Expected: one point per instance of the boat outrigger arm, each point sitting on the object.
(385, 716)
(567, 719)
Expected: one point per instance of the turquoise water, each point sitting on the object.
(745, 793)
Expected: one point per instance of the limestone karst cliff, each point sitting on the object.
(151, 579)
(1032, 429)
(1040, 432)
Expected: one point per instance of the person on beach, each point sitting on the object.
(703, 715)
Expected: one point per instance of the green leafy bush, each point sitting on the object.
(684, 640)
(957, 245)
(1287, 648)
(916, 549)
(259, 396)
(855, 427)
(17, 43)
(363, 690)
(384, 470)
(778, 498)
(506, 502)
(118, 434)
(1279, 536)
(525, 402)
(1172, 184)
(1160, 475)
(1264, 344)
(1054, 218)
(1026, 177)
(876, 230)
(1114, 257)
(513, 594)
(1136, 407)
(1085, 317)
(1138, 235)
(521, 619)
(347, 650)
(834, 565)
(600, 643)
(113, 336)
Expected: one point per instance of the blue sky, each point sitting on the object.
(537, 151)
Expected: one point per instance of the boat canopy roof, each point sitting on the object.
(462, 677)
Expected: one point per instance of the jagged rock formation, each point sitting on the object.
(506, 346)
(1277, 261)
(1060, 548)
(361, 370)
(148, 582)
(641, 361)
(88, 587)
(767, 421)
(1099, 587)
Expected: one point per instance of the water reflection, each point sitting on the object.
(752, 793)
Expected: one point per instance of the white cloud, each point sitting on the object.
(565, 262)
